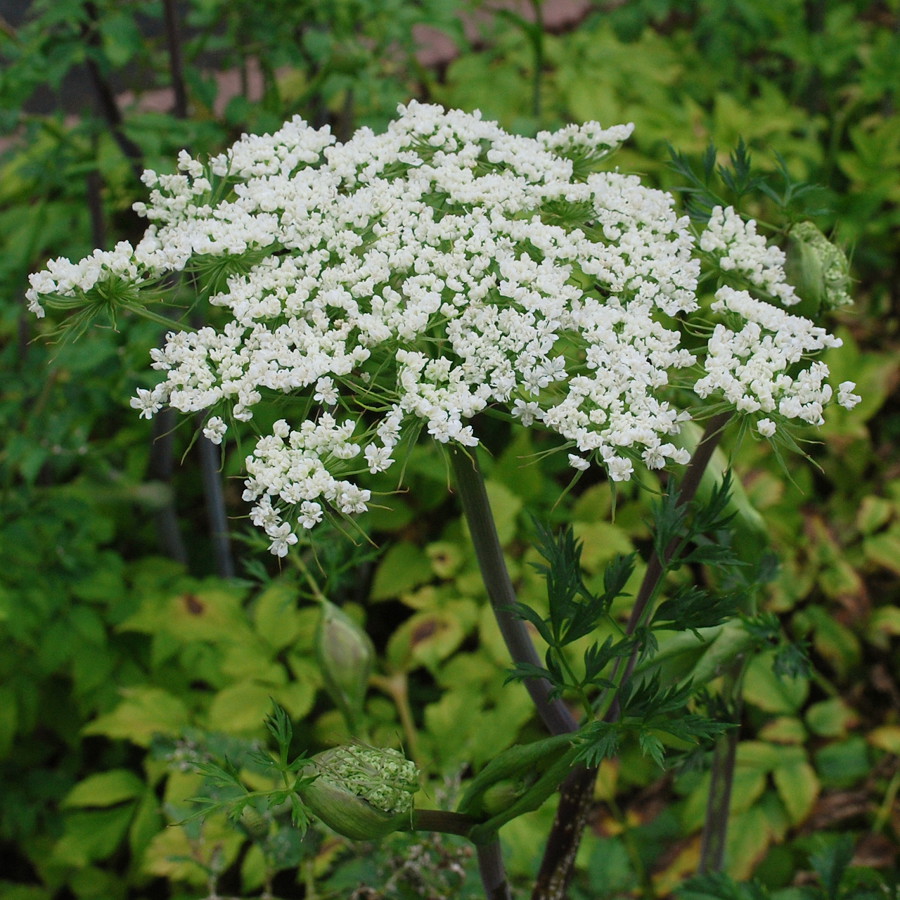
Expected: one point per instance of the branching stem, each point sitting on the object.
(577, 790)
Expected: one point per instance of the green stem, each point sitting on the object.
(477, 511)
(396, 686)
(442, 821)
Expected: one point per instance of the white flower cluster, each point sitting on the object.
(68, 279)
(750, 366)
(740, 249)
(428, 273)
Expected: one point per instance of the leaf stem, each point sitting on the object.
(442, 821)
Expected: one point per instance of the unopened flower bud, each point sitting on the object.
(345, 655)
(361, 792)
(516, 776)
(818, 269)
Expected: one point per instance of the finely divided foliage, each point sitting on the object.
(419, 277)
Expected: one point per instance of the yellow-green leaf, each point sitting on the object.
(798, 786)
(887, 737)
(91, 835)
(763, 688)
(242, 707)
(144, 712)
(105, 789)
(276, 616)
(425, 639)
(401, 569)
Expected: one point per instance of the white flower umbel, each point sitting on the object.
(419, 277)
(748, 360)
(740, 249)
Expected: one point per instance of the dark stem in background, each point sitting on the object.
(214, 497)
(442, 821)
(477, 510)
(94, 194)
(106, 98)
(715, 826)
(577, 790)
(176, 68)
(161, 461)
(216, 514)
(160, 468)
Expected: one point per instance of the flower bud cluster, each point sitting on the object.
(415, 278)
(362, 792)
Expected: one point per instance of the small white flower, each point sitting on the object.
(846, 397)
(215, 429)
(282, 539)
(766, 427)
(377, 458)
(147, 402)
(578, 462)
(326, 392)
(527, 413)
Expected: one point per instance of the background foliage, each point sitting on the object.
(125, 649)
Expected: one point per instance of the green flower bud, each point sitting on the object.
(345, 655)
(515, 778)
(361, 792)
(254, 823)
(818, 269)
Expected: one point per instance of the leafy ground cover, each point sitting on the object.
(133, 636)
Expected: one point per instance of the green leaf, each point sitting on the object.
(883, 549)
(276, 616)
(830, 861)
(835, 642)
(105, 789)
(798, 787)
(719, 886)
(886, 737)
(840, 764)
(401, 569)
(831, 718)
(147, 823)
(505, 508)
(764, 689)
(749, 836)
(91, 835)
(425, 639)
(144, 712)
(873, 513)
(600, 543)
(240, 708)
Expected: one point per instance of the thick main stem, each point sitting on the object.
(477, 510)
(576, 792)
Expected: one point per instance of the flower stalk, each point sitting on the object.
(476, 508)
